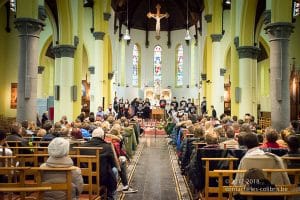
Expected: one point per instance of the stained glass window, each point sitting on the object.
(179, 66)
(157, 64)
(135, 65)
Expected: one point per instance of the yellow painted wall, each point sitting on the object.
(263, 84)
(29, 8)
(85, 74)
(294, 48)
(9, 64)
(2, 59)
(48, 77)
(281, 11)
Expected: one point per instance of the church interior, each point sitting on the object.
(169, 99)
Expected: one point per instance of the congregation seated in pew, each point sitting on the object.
(58, 150)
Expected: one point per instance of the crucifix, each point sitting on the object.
(157, 16)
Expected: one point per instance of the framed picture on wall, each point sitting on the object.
(13, 95)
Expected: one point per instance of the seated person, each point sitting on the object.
(58, 150)
(211, 140)
(257, 158)
(293, 151)
(4, 150)
(230, 142)
(108, 166)
(162, 103)
(255, 180)
(271, 137)
(49, 132)
(15, 134)
(283, 136)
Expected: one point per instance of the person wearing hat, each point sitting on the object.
(58, 150)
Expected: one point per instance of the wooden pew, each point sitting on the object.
(7, 161)
(199, 144)
(89, 171)
(14, 177)
(37, 189)
(89, 160)
(65, 186)
(14, 143)
(212, 174)
(16, 180)
(281, 190)
(33, 149)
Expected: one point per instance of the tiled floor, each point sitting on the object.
(153, 176)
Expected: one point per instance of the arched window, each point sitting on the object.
(157, 64)
(136, 66)
(179, 65)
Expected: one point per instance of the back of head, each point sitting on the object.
(211, 138)
(199, 131)
(15, 128)
(98, 133)
(245, 128)
(25, 124)
(191, 129)
(286, 132)
(293, 142)
(58, 147)
(41, 132)
(47, 125)
(76, 133)
(271, 135)
(2, 135)
(230, 132)
(250, 140)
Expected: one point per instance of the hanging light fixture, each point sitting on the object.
(187, 35)
(12, 5)
(228, 2)
(127, 36)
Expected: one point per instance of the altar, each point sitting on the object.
(157, 113)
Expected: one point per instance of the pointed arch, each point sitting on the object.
(136, 65)
(52, 22)
(227, 63)
(179, 68)
(248, 22)
(265, 45)
(64, 22)
(157, 64)
(45, 48)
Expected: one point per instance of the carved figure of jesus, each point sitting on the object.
(157, 16)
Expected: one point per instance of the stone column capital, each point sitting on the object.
(208, 18)
(29, 26)
(41, 69)
(106, 16)
(279, 30)
(99, 35)
(64, 51)
(248, 52)
(216, 37)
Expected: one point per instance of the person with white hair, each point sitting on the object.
(109, 171)
(58, 150)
